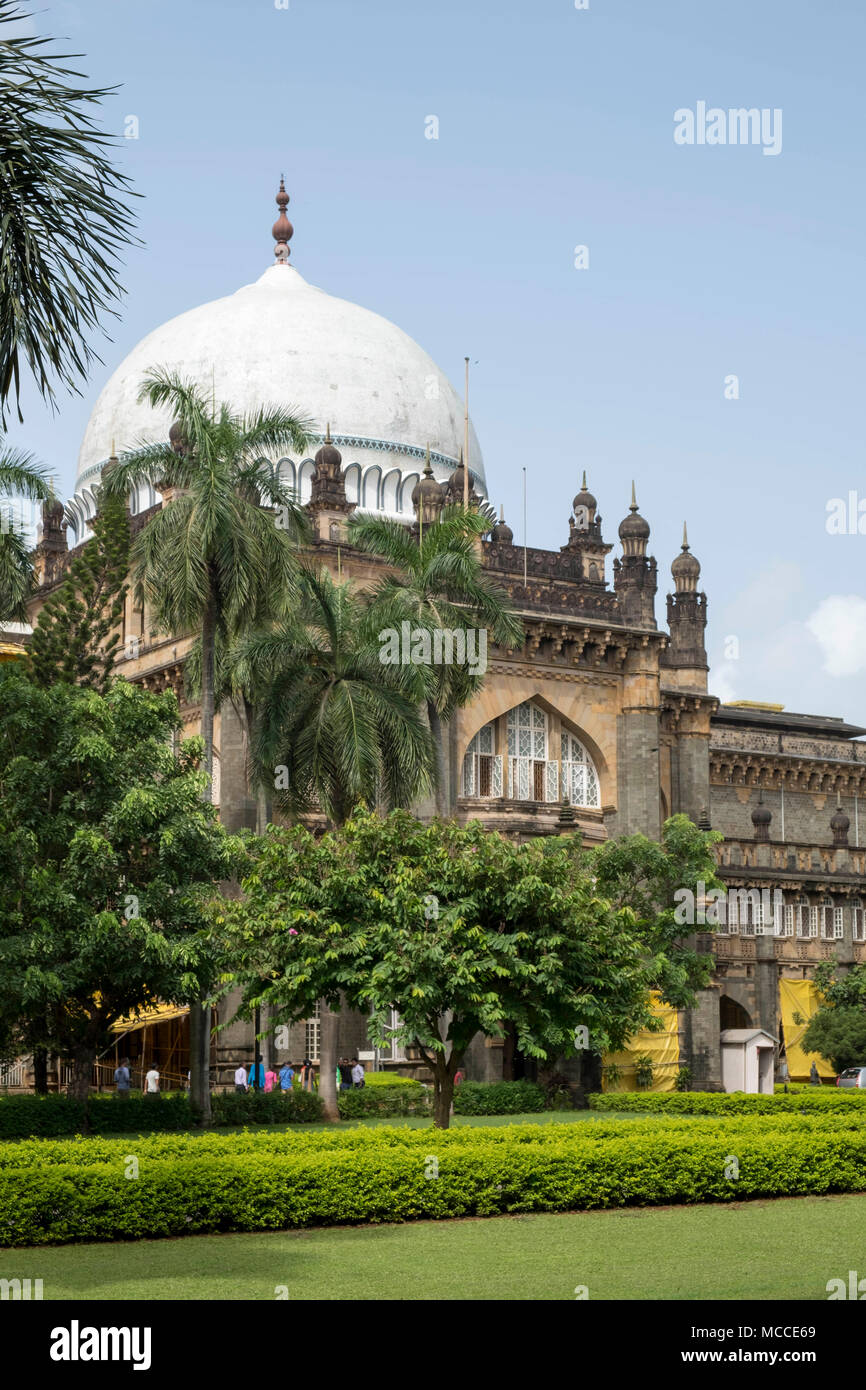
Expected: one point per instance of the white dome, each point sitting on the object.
(283, 342)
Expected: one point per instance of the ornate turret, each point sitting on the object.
(502, 533)
(328, 501)
(428, 496)
(282, 230)
(687, 621)
(454, 494)
(49, 556)
(584, 536)
(634, 576)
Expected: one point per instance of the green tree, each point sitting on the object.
(213, 560)
(839, 1035)
(837, 1031)
(437, 582)
(335, 726)
(77, 633)
(66, 214)
(649, 880)
(20, 476)
(459, 930)
(108, 859)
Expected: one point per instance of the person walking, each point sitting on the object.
(308, 1075)
(121, 1079)
(151, 1083)
(256, 1083)
(344, 1071)
(270, 1079)
(241, 1080)
(287, 1076)
(357, 1074)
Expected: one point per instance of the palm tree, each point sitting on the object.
(64, 223)
(334, 726)
(213, 560)
(438, 582)
(20, 476)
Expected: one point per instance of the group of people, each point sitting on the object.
(122, 1080)
(266, 1079)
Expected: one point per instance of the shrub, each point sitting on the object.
(683, 1078)
(24, 1116)
(729, 1103)
(388, 1078)
(385, 1100)
(295, 1107)
(252, 1182)
(498, 1098)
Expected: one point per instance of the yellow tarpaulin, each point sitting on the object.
(800, 999)
(159, 1013)
(663, 1049)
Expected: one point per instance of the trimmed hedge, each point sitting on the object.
(388, 1078)
(186, 1185)
(498, 1098)
(295, 1107)
(728, 1103)
(386, 1101)
(24, 1116)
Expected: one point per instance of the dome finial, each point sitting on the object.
(282, 230)
(428, 471)
(633, 503)
(583, 484)
(328, 432)
(685, 544)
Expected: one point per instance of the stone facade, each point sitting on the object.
(603, 707)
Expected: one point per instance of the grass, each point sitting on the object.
(784, 1249)
(544, 1117)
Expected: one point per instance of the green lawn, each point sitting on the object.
(545, 1117)
(784, 1249)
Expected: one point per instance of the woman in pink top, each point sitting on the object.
(270, 1080)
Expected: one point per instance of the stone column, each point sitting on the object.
(766, 985)
(237, 805)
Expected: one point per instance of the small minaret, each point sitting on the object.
(328, 504)
(502, 533)
(585, 536)
(282, 230)
(634, 576)
(686, 655)
(428, 496)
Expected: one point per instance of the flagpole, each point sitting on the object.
(466, 439)
(524, 528)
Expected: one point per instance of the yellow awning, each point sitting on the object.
(9, 651)
(158, 1013)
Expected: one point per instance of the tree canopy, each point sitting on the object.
(458, 929)
(108, 861)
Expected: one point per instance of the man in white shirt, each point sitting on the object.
(241, 1080)
(151, 1083)
(357, 1073)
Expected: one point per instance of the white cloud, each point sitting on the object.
(839, 626)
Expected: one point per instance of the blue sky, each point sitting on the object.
(555, 130)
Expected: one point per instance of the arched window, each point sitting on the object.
(857, 919)
(579, 777)
(533, 776)
(482, 767)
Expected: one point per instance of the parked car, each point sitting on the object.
(852, 1076)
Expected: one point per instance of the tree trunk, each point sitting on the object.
(443, 1092)
(82, 1061)
(199, 1013)
(439, 740)
(199, 1062)
(328, 1062)
(40, 1071)
(208, 638)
